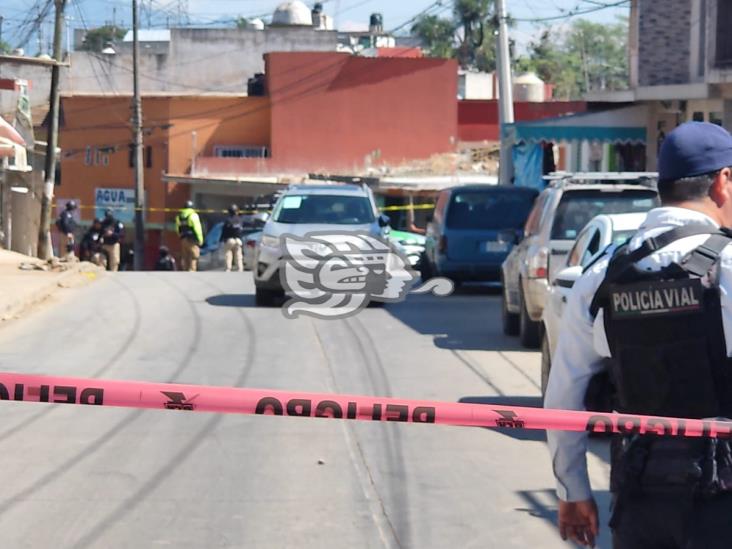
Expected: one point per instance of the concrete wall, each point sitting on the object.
(664, 42)
(220, 60)
(335, 112)
(478, 120)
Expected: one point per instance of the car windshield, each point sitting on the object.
(489, 209)
(577, 208)
(324, 209)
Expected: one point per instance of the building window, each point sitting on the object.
(716, 118)
(240, 151)
(698, 116)
(723, 34)
(146, 156)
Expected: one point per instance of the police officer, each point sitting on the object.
(231, 236)
(113, 232)
(656, 314)
(66, 224)
(165, 262)
(188, 225)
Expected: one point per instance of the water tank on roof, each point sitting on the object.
(376, 23)
(528, 87)
(256, 24)
(291, 14)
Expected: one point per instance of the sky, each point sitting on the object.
(348, 14)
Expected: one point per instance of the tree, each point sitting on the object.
(468, 35)
(241, 22)
(97, 39)
(5, 47)
(590, 56)
(437, 34)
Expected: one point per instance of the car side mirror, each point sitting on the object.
(568, 276)
(384, 220)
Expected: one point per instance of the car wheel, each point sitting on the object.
(546, 363)
(510, 320)
(530, 330)
(425, 269)
(265, 298)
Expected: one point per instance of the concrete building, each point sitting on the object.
(680, 55)
(321, 112)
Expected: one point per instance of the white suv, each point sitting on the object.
(560, 212)
(304, 209)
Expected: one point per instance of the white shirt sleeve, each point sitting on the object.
(574, 362)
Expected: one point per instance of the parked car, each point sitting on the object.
(411, 244)
(472, 230)
(559, 214)
(593, 240)
(303, 209)
(212, 252)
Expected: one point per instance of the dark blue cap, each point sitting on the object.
(694, 148)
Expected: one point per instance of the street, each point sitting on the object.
(77, 477)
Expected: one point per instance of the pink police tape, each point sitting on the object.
(202, 398)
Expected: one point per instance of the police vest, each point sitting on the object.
(664, 329)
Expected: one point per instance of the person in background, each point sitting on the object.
(112, 235)
(188, 225)
(165, 262)
(231, 236)
(90, 248)
(66, 224)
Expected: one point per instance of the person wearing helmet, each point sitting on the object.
(231, 236)
(112, 235)
(90, 248)
(66, 224)
(188, 225)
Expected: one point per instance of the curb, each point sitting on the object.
(17, 307)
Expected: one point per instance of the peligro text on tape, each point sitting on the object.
(202, 398)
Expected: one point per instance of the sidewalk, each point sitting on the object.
(26, 281)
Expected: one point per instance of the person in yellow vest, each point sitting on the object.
(188, 225)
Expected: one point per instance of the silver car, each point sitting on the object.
(560, 212)
(304, 209)
(591, 243)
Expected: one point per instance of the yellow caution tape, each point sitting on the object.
(167, 210)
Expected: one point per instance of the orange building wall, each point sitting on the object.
(330, 111)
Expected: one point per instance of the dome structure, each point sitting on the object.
(294, 13)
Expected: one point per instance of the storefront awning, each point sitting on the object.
(624, 125)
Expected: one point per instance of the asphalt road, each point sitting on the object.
(109, 478)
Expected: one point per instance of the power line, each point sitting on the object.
(575, 12)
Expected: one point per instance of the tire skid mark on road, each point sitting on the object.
(181, 456)
(387, 532)
(91, 448)
(131, 336)
(381, 386)
(477, 370)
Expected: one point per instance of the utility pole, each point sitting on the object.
(505, 99)
(45, 250)
(137, 146)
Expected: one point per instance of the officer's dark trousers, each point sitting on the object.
(663, 522)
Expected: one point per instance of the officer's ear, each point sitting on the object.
(721, 189)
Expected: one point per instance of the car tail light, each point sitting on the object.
(442, 245)
(251, 243)
(539, 264)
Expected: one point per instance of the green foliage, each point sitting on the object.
(5, 47)
(468, 35)
(241, 22)
(589, 56)
(97, 39)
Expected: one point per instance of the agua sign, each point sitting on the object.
(120, 201)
